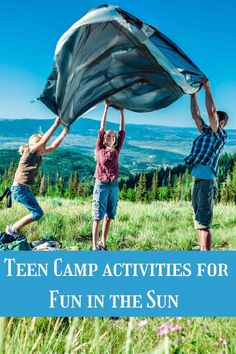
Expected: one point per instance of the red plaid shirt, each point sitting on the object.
(107, 159)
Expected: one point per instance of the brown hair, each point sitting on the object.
(222, 116)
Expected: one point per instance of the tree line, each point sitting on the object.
(164, 184)
(175, 183)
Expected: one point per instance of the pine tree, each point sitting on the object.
(5, 178)
(163, 193)
(75, 184)
(123, 192)
(43, 186)
(50, 187)
(141, 192)
(228, 190)
(12, 170)
(186, 186)
(69, 188)
(80, 190)
(59, 186)
(178, 188)
(8, 175)
(169, 178)
(154, 190)
(131, 195)
(88, 188)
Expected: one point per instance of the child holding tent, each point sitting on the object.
(106, 190)
(26, 173)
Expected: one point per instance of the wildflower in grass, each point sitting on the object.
(161, 333)
(168, 328)
(163, 325)
(222, 341)
(142, 323)
(176, 328)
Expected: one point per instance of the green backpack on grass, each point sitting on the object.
(13, 243)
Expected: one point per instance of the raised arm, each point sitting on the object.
(56, 142)
(46, 136)
(210, 106)
(104, 117)
(121, 134)
(196, 114)
(101, 133)
(122, 119)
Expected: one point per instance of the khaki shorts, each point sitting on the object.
(203, 195)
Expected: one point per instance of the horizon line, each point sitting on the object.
(97, 120)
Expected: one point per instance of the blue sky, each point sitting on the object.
(204, 30)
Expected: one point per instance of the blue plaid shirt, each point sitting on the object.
(207, 147)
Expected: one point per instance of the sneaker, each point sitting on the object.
(102, 248)
(10, 230)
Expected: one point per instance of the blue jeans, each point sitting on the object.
(105, 199)
(24, 196)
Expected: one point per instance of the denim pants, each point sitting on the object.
(24, 196)
(105, 199)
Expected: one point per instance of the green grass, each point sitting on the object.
(156, 226)
(126, 335)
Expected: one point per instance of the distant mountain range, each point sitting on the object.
(146, 146)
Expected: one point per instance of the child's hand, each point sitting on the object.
(107, 103)
(121, 109)
(206, 83)
(58, 121)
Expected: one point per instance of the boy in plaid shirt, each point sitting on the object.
(204, 157)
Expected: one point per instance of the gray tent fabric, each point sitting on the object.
(110, 54)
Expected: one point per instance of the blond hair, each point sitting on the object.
(105, 139)
(34, 139)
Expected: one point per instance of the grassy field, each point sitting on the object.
(127, 335)
(155, 226)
